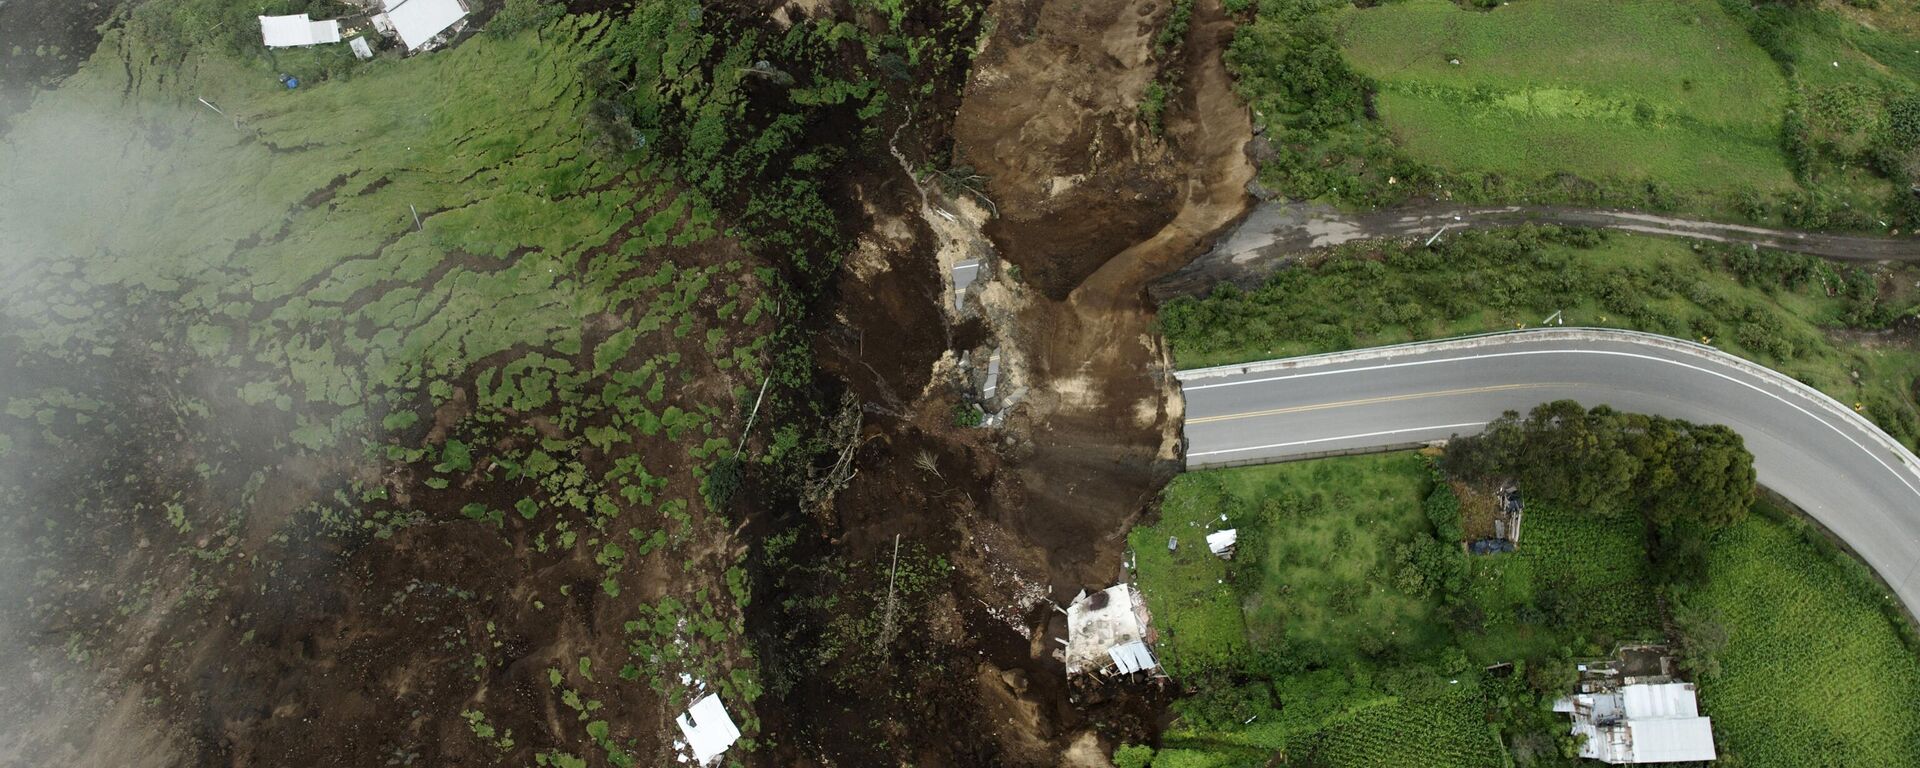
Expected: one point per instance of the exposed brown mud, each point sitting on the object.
(1102, 418)
(1092, 206)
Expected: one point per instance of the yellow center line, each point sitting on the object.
(1366, 401)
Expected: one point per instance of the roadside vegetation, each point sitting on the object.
(1845, 330)
(1784, 113)
(1367, 550)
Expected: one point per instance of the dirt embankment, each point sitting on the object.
(1092, 204)
(1102, 418)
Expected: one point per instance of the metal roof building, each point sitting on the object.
(1641, 723)
(418, 22)
(297, 30)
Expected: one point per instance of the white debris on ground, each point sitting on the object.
(1132, 657)
(1025, 593)
(709, 731)
(1102, 630)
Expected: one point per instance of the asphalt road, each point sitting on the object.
(1817, 453)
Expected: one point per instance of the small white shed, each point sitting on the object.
(297, 30)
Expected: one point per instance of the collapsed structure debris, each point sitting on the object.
(1108, 629)
(709, 731)
(1221, 543)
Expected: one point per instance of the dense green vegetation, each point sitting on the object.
(1325, 636)
(1783, 628)
(1664, 106)
(1817, 667)
(1803, 316)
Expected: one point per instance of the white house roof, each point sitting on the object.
(297, 30)
(1672, 741)
(1221, 541)
(1642, 723)
(418, 21)
(708, 729)
(1132, 657)
(1664, 700)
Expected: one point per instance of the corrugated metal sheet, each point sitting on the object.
(1132, 657)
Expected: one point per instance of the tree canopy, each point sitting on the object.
(1686, 480)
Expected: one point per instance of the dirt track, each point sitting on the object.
(1275, 232)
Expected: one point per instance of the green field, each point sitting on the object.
(1325, 581)
(1803, 316)
(1779, 113)
(1668, 91)
(1586, 569)
(1327, 587)
(1813, 673)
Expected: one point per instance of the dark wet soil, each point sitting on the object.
(41, 43)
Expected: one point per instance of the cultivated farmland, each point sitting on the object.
(1814, 672)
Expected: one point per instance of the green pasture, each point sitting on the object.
(1668, 91)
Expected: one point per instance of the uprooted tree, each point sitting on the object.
(1687, 480)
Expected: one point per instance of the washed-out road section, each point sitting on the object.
(1814, 451)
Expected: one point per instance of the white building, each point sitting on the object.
(418, 22)
(708, 729)
(1108, 628)
(1641, 723)
(297, 30)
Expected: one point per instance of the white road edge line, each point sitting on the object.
(1342, 437)
(1901, 476)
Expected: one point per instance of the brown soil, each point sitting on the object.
(1091, 207)
(1479, 508)
(300, 650)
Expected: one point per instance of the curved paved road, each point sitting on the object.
(1275, 232)
(1816, 452)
